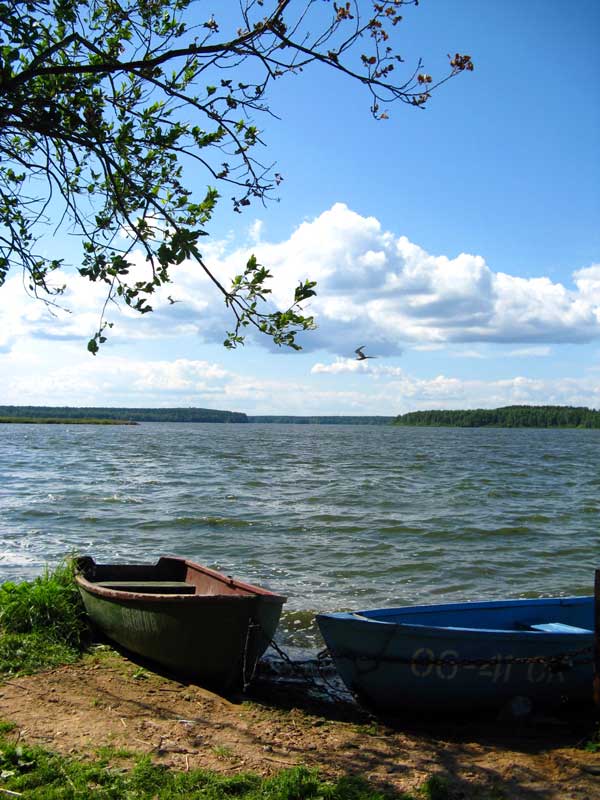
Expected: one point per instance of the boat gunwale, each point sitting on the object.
(247, 591)
(361, 618)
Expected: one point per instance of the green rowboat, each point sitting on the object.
(183, 616)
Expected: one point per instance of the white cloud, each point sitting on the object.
(354, 366)
(62, 373)
(255, 231)
(341, 365)
(588, 282)
(73, 377)
(526, 352)
(374, 287)
(446, 392)
(467, 354)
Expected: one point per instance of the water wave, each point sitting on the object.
(344, 517)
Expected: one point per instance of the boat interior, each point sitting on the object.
(572, 615)
(167, 576)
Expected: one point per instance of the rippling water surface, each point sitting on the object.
(333, 516)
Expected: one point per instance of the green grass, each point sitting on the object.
(593, 743)
(42, 622)
(222, 751)
(39, 775)
(26, 653)
(6, 727)
(435, 788)
(107, 753)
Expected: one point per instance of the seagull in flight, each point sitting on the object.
(360, 356)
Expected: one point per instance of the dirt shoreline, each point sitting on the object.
(106, 701)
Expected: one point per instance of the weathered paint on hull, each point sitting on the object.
(391, 666)
(216, 645)
(215, 632)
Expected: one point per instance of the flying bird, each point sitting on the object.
(360, 356)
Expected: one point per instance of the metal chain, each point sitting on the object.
(325, 687)
(246, 681)
(323, 656)
(556, 663)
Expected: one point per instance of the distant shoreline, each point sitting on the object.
(99, 415)
(125, 416)
(567, 417)
(505, 417)
(62, 421)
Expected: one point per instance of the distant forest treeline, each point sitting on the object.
(507, 417)
(49, 414)
(333, 420)
(63, 421)
(122, 414)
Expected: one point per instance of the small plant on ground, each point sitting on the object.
(222, 751)
(371, 729)
(593, 743)
(436, 788)
(6, 727)
(140, 674)
(107, 753)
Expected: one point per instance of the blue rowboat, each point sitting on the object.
(465, 656)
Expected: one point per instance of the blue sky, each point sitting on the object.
(460, 244)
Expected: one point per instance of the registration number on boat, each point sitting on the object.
(446, 666)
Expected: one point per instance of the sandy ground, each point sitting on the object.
(106, 700)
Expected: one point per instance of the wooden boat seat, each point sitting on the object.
(558, 627)
(150, 587)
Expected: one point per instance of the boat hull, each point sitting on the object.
(394, 659)
(214, 634)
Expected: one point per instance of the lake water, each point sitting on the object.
(333, 516)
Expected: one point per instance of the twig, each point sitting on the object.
(277, 760)
(143, 741)
(10, 793)
(18, 685)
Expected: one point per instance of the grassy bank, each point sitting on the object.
(42, 622)
(34, 773)
(43, 625)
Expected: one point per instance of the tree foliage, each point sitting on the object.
(109, 109)
(78, 414)
(506, 417)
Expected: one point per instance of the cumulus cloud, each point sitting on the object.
(354, 366)
(340, 366)
(374, 286)
(378, 287)
(74, 378)
(588, 282)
